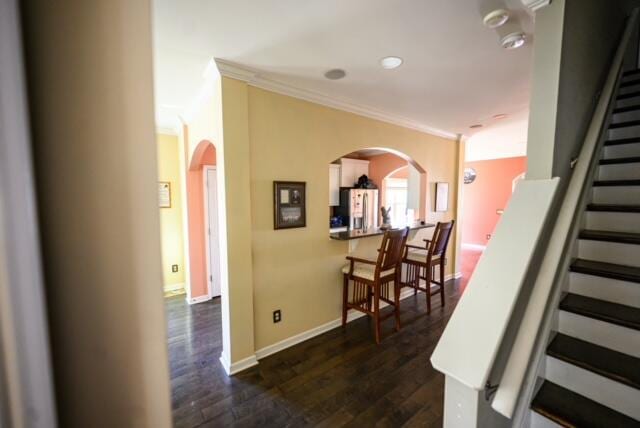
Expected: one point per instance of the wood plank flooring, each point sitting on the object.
(341, 378)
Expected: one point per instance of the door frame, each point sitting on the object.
(207, 226)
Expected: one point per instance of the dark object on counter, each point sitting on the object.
(335, 221)
(365, 183)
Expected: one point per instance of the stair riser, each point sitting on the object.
(612, 336)
(622, 151)
(607, 289)
(626, 132)
(598, 388)
(617, 222)
(613, 221)
(626, 116)
(630, 89)
(609, 252)
(628, 102)
(616, 194)
(623, 171)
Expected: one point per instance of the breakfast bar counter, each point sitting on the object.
(376, 231)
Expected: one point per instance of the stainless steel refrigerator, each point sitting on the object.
(360, 206)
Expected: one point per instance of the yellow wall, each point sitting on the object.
(171, 218)
(298, 270)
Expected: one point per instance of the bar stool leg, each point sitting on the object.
(396, 299)
(442, 280)
(345, 298)
(376, 310)
(429, 277)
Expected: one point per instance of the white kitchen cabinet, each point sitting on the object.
(351, 170)
(334, 185)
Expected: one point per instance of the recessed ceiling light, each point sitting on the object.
(496, 18)
(476, 126)
(500, 116)
(391, 62)
(513, 40)
(335, 74)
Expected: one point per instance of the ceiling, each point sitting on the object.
(455, 73)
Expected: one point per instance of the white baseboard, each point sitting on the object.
(477, 247)
(238, 366)
(198, 299)
(316, 331)
(173, 287)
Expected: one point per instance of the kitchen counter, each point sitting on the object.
(358, 233)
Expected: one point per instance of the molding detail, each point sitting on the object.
(199, 299)
(316, 331)
(254, 78)
(173, 287)
(166, 131)
(238, 366)
(534, 5)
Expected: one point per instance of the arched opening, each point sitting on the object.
(396, 181)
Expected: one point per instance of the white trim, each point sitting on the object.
(199, 299)
(474, 246)
(534, 5)
(254, 78)
(166, 131)
(173, 287)
(238, 366)
(316, 331)
(207, 226)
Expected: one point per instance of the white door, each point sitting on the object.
(212, 232)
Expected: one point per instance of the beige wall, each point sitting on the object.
(89, 74)
(298, 270)
(171, 218)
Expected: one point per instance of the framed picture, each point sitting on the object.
(164, 194)
(289, 201)
(442, 196)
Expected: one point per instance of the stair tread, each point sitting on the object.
(569, 409)
(615, 313)
(630, 83)
(612, 364)
(626, 109)
(610, 236)
(615, 161)
(619, 141)
(625, 124)
(629, 95)
(601, 183)
(620, 208)
(607, 270)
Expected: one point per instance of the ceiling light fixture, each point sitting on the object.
(391, 62)
(476, 126)
(496, 18)
(513, 40)
(500, 116)
(335, 74)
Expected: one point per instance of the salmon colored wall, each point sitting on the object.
(489, 192)
(204, 154)
(379, 168)
(401, 173)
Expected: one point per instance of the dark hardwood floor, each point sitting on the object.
(340, 378)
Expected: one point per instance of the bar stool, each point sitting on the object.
(422, 261)
(372, 280)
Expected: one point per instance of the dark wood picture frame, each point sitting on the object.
(289, 204)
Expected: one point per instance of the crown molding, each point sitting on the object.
(534, 5)
(254, 77)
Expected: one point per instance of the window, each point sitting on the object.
(396, 198)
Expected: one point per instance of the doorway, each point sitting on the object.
(212, 238)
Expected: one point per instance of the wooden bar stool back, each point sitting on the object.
(376, 280)
(422, 261)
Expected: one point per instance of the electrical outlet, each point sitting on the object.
(277, 316)
(174, 268)
(488, 236)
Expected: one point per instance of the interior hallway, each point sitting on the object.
(340, 378)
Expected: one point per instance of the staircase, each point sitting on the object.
(591, 371)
